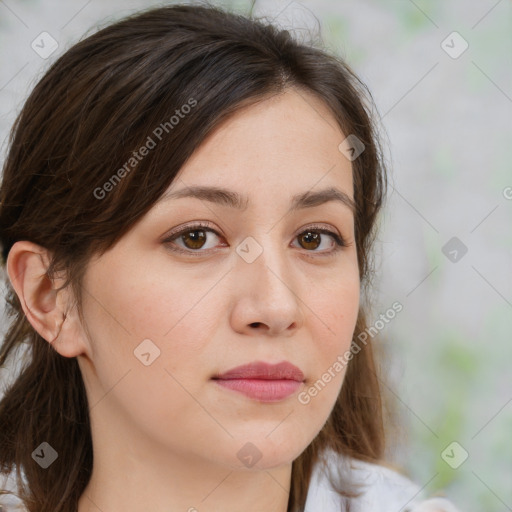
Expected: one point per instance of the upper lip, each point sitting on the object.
(262, 370)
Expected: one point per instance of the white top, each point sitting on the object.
(384, 490)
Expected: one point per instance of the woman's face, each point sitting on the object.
(173, 305)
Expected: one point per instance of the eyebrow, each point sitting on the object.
(232, 199)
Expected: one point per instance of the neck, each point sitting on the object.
(128, 482)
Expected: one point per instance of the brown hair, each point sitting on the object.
(96, 104)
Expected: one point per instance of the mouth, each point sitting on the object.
(262, 381)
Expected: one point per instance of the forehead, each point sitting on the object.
(284, 144)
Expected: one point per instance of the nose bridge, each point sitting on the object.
(266, 285)
(267, 260)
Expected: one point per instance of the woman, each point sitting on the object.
(187, 213)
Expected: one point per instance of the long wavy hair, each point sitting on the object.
(95, 105)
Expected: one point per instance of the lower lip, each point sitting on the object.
(262, 390)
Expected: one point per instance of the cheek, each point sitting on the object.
(334, 310)
(334, 317)
(180, 320)
(121, 318)
(137, 305)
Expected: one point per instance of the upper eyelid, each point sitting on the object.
(340, 242)
(207, 227)
(339, 239)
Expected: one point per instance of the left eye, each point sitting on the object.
(313, 239)
(194, 238)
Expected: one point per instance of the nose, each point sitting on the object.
(266, 296)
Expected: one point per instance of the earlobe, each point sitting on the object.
(27, 264)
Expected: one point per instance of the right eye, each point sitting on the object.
(192, 238)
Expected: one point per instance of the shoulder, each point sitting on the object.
(381, 489)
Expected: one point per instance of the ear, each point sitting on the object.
(49, 311)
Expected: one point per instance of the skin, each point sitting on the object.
(166, 436)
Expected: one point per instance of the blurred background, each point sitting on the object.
(441, 77)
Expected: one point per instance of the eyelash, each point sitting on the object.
(200, 226)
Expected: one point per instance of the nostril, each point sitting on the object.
(255, 324)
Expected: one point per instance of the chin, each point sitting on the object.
(262, 453)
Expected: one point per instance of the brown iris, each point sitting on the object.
(198, 238)
(310, 238)
(195, 239)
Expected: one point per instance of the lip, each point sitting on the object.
(263, 381)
